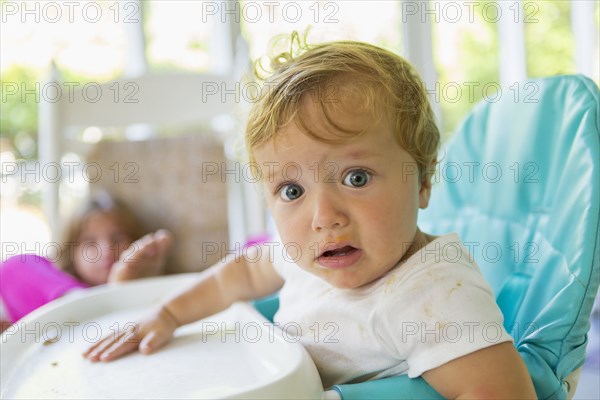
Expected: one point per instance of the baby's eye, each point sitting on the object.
(357, 178)
(290, 192)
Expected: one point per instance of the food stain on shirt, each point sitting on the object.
(363, 332)
(427, 310)
(390, 283)
(433, 276)
(458, 286)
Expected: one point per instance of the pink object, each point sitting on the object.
(28, 281)
(257, 239)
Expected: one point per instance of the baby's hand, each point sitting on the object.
(148, 336)
(145, 257)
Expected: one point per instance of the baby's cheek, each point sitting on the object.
(292, 249)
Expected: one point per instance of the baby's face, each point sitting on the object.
(100, 243)
(350, 208)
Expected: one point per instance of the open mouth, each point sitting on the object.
(342, 251)
(339, 257)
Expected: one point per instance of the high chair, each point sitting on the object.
(519, 182)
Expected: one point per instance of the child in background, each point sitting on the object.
(345, 142)
(98, 248)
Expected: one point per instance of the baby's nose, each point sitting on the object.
(328, 213)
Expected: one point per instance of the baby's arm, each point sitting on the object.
(496, 372)
(236, 279)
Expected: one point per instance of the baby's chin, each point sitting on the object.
(339, 279)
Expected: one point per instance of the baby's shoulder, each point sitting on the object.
(444, 257)
(444, 266)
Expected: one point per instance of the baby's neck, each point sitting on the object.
(420, 240)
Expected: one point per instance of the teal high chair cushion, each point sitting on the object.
(519, 182)
(529, 210)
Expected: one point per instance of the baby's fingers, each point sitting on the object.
(153, 341)
(94, 352)
(118, 349)
(93, 348)
(112, 347)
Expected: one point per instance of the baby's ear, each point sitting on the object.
(425, 189)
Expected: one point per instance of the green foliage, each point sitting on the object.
(478, 52)
(18, 111)
(549, 43)
(549, 47)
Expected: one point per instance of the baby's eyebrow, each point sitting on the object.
(362, 154)
(272, 168)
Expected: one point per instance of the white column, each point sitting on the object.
(230, 56)
(226, 29)
(511, 36)
(418, 47)
(136, 63)
(49, 149)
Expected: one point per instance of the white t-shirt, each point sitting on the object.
(431, 309)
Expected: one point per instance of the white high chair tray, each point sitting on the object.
(234, 354)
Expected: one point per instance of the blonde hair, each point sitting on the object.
(101, 202)
(387, 84)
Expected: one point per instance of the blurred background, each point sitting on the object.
(465, 51)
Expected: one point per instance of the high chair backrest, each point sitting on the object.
(520, 183)
(531, 213)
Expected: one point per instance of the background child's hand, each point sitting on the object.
(145, 257)
(148, 336)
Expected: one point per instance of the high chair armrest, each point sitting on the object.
(267, 305)
(393, 387)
